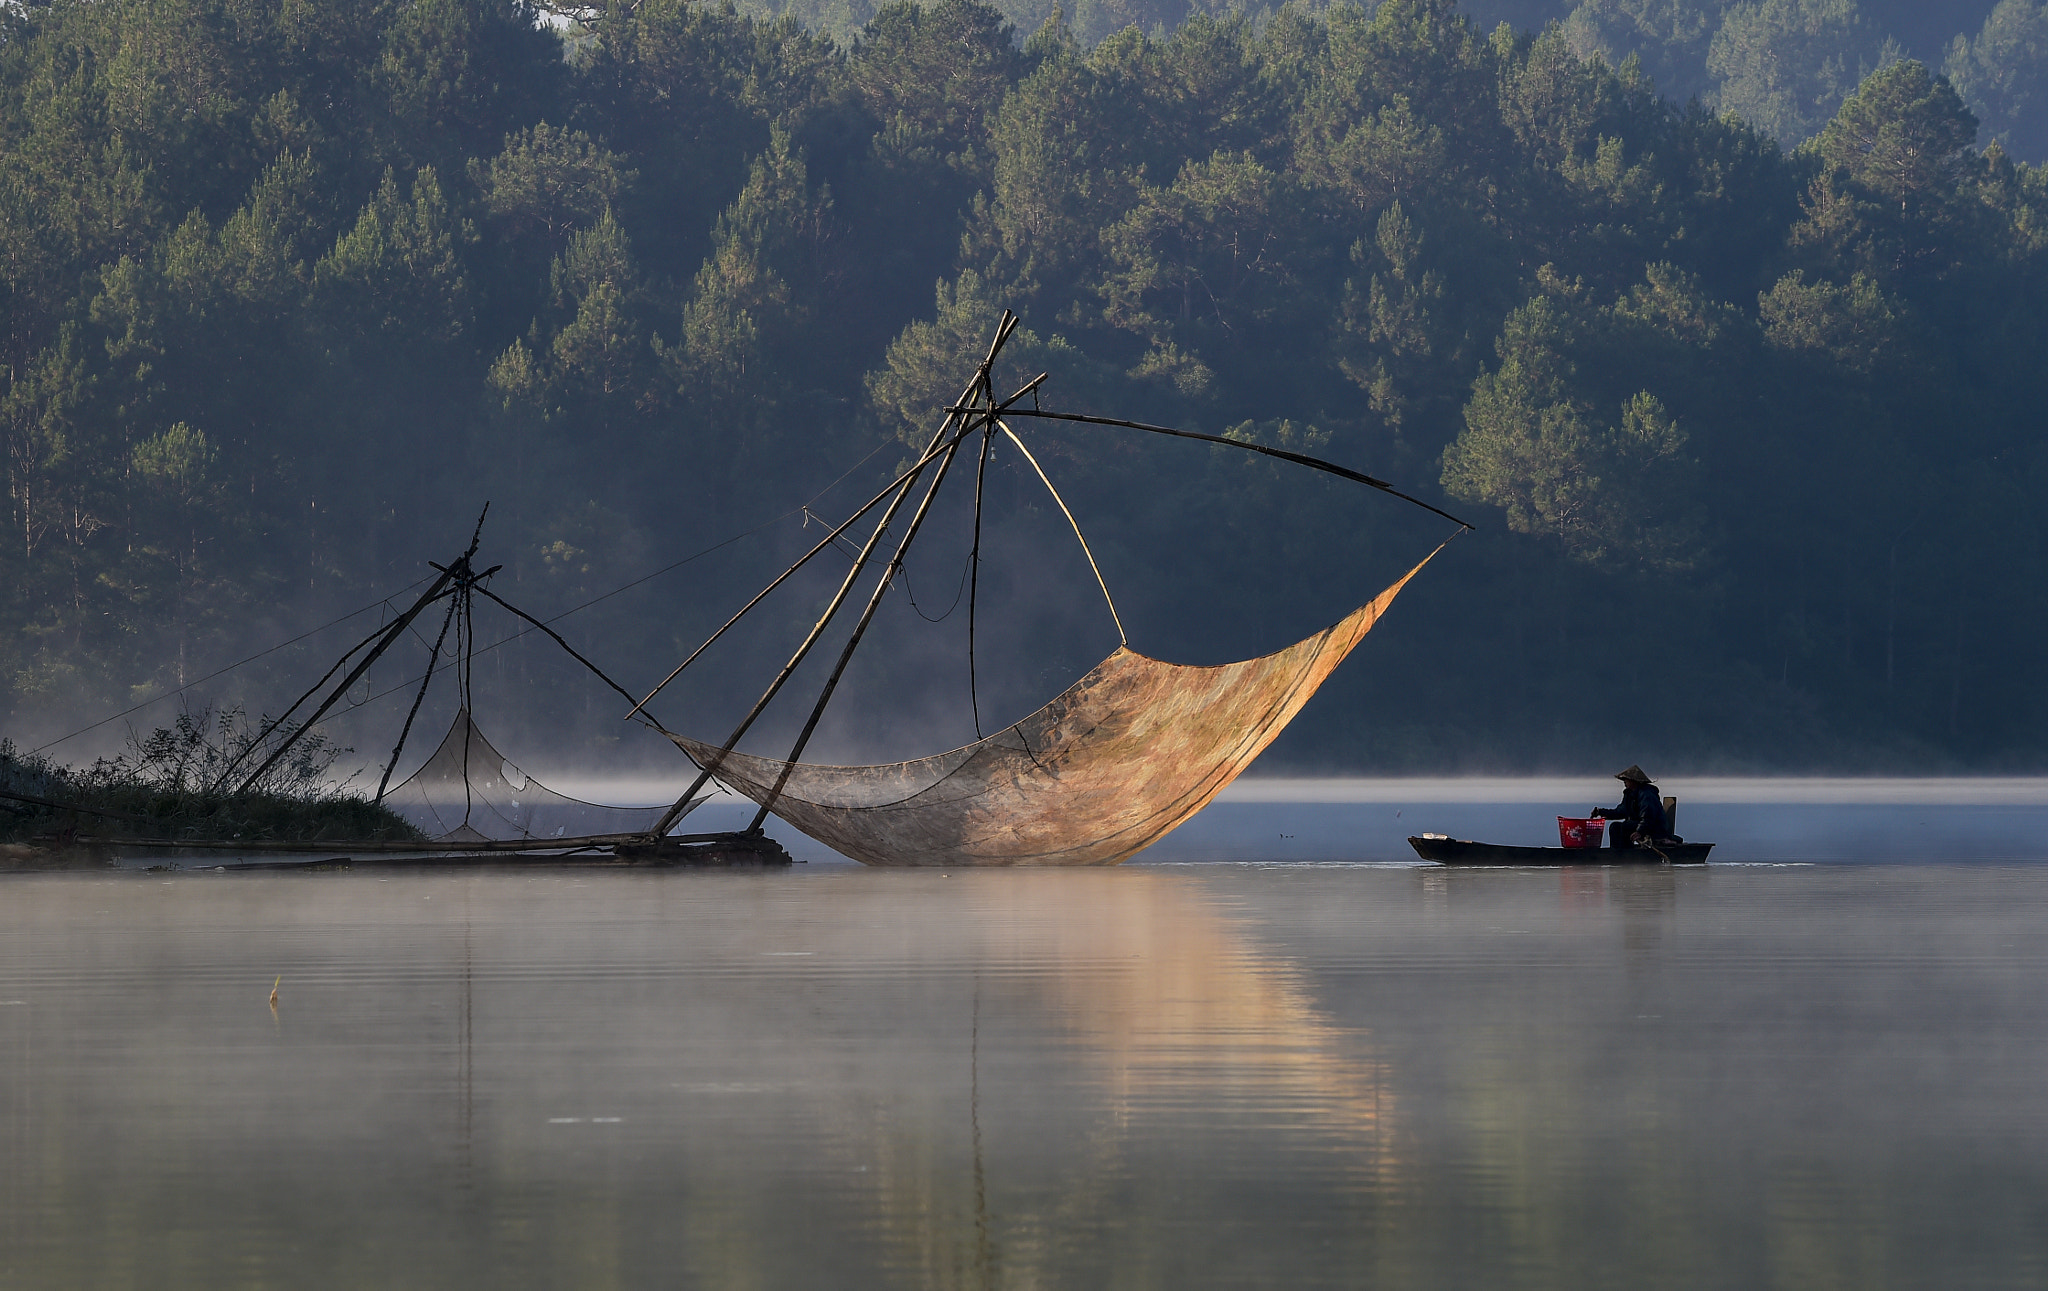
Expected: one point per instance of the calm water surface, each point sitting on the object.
(1159, 1076)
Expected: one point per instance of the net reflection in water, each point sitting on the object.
(1203, 1076)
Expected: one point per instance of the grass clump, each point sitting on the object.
(184, 781)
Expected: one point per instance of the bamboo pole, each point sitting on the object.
(974, 575)
(704, 774)
(805, 559)
(391, 634)
(675, 813)
(315, 689)
(830, 538)
(433, 657)
(986, 415)
(1299, 459)
(867, 616)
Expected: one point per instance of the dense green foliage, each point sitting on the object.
(1783, 65)
(1753, 435)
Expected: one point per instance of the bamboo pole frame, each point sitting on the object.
(902, 492)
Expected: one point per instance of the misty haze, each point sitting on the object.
(1053, 643)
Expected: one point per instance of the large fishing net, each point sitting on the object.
(1107, 768)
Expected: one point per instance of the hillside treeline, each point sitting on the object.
(1782, 65)
(1754, 435)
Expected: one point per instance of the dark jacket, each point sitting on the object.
(1643, 808)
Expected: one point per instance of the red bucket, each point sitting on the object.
(1577, 831)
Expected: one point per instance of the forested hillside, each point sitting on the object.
(1783, 65)
(1754, 432)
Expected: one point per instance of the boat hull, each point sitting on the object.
(1458, 851)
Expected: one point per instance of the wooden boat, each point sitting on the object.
(1458, 851)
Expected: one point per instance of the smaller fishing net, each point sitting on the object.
(467, 792)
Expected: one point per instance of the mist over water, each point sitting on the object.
(1202, 1075)
(1859, 820)
(1748, 820)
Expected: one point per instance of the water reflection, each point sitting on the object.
(1105, 1016)
(977, 1080)
(1647, 897)
(1642, 901)
(1149, 1078)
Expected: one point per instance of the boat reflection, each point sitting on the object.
(1642, 901)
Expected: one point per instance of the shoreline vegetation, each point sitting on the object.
(169, 787)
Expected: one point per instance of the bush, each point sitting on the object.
(181, 782)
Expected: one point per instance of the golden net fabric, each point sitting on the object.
(1106, 769)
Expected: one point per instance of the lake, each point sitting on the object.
(1184, 1072)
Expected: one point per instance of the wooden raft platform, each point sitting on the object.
(699, 851)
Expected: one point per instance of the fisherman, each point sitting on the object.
(1640, 819)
